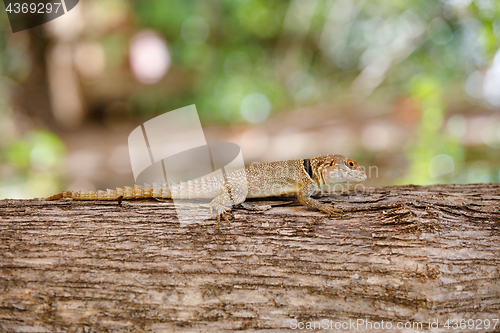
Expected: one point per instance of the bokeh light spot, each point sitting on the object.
(439, 31)
(255, 108)
(479, 172)
(149, 57)
(492, 82)
(441, 164)
(491, 135)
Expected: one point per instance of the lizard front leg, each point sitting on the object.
(231, 195)
(304, 197)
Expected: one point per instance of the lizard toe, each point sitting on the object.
(225, 215)
(330, 210)
(220, 211)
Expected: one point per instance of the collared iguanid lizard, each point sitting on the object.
(301, 177)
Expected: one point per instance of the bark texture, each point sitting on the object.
(399, 254)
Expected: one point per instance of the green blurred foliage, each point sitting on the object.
(430, 140)
(34, 165)
(235, 60)
(296, 53)
(253, 47)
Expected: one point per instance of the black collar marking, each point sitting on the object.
(307, 167)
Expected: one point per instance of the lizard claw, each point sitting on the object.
(225, 216)
(330, 210)
(221, 211)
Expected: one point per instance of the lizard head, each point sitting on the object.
(338, 169)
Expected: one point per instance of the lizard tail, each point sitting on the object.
(65, 194)
(158, 190)
(57, 196)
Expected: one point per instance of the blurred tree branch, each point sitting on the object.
(31, 97)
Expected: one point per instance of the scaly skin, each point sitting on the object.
(302, 177)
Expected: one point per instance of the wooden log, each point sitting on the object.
(400, 255)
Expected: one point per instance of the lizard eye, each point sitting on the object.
(352, 164)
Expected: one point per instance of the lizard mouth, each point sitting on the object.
(342, 175)
(358, 178)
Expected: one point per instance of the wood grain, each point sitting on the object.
(399, 254)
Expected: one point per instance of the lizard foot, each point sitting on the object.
(221, 211)
(330, 210)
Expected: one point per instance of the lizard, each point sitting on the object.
(301, 177)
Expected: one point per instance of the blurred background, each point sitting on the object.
(410, 89)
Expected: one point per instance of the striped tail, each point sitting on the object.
(157, 190)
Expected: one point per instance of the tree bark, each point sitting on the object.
(400, 255)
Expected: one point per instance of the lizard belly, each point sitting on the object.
(271, 190)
